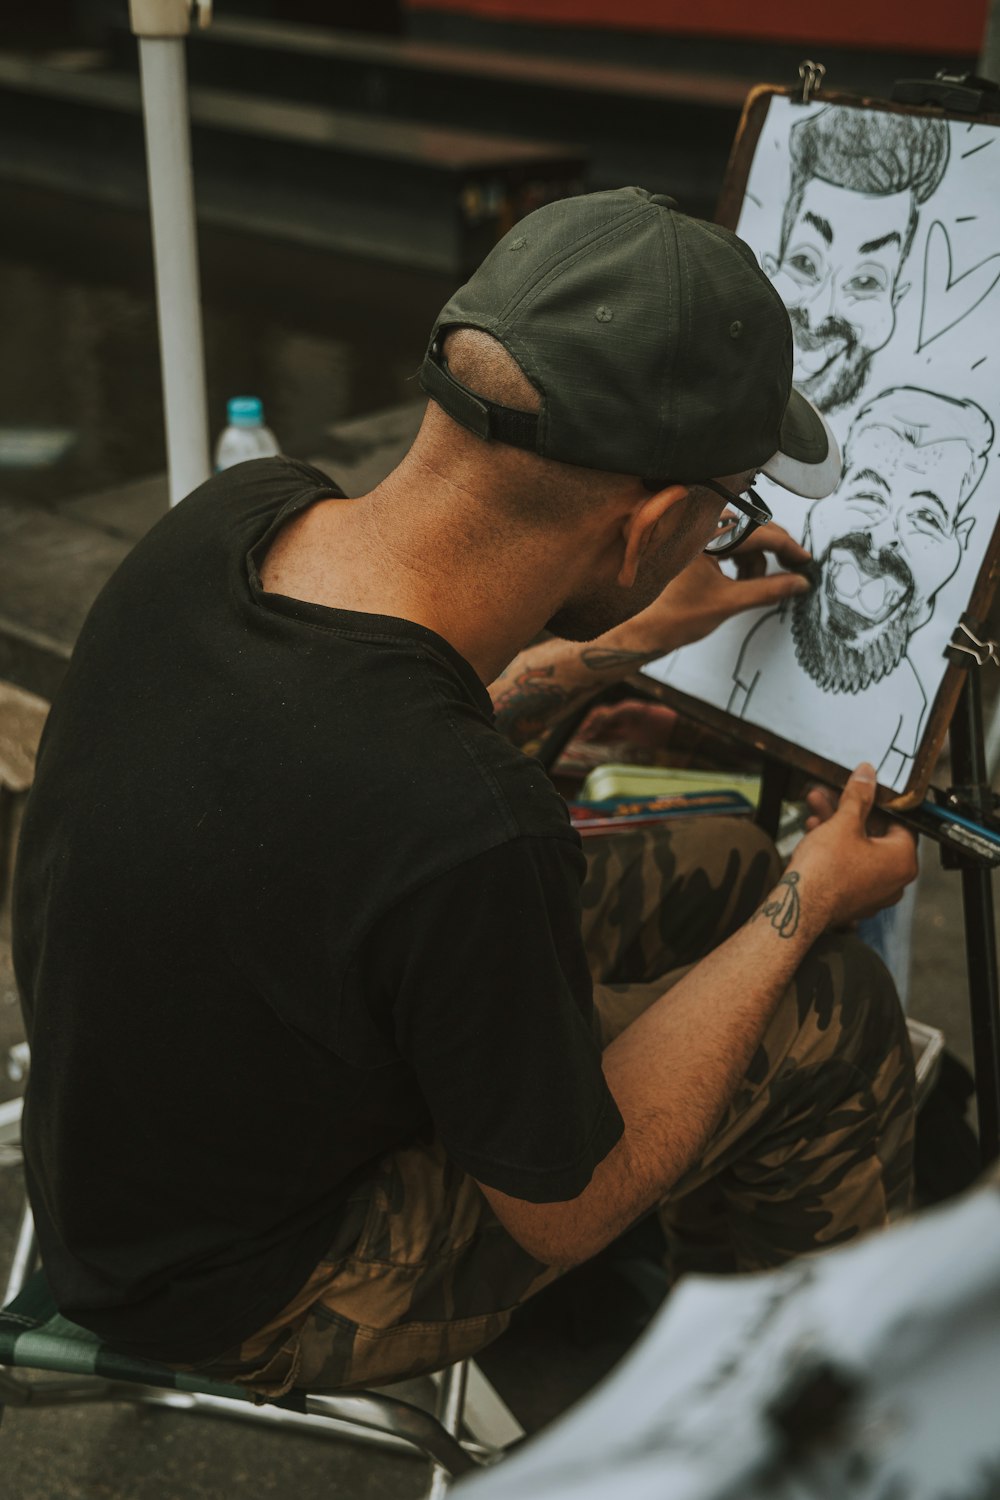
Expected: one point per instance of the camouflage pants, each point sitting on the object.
(814, 1149)
(817, 1144)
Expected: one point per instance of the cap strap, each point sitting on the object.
(487, 419)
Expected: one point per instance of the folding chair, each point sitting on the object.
(471, 1427)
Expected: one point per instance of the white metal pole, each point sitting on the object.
(989, 59)
(160, 27)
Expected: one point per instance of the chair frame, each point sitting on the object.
(464, 1399)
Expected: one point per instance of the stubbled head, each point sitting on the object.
(524, 488)
(520, 496)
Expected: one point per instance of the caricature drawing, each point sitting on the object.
(881, 234)
(886, 542)
(857, 181)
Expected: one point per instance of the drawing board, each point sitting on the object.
(879, 226)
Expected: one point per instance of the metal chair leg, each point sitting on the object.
(401, 1419)
(380, 1417)
(25, 1255)
(486, 1416)
(451, 1405)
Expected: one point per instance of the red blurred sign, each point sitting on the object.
(899, 25)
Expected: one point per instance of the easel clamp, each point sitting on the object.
(965, 642)
(812, 75)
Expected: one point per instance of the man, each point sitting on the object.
(885, 543)
(318, 1093)
(858, 178)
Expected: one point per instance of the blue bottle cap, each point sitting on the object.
(245, 411)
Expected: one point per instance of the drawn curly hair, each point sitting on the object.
(867, 151)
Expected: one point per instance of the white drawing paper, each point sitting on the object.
(881, 232)
(906, 1323)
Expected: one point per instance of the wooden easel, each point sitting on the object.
(957, 710)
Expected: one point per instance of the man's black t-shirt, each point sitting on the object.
(285, 900)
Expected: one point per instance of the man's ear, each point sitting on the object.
(640, 523)
(963, 530)
(899, 291)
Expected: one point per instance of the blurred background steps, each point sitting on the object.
(415, 134)
(378, 188)
(668, 130)
(347, 178)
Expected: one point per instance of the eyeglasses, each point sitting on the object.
(734, 529)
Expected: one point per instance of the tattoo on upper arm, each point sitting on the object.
(527, 705)
(782, 907)
(529, 700)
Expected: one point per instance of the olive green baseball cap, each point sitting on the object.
(656, 342)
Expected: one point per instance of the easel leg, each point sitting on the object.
(775, 776)
(968, 765)
(977, 899)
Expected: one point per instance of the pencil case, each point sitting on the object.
(610, 781)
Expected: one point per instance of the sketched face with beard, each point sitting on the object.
(887, 540)
(838, 276)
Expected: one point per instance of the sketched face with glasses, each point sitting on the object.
(892, 534)
(857, 180)
(838, 276)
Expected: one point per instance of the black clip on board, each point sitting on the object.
(961, 93)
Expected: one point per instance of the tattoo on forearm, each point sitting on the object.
(528, 704)
(530, 700)
(782, 908)
(602, 659)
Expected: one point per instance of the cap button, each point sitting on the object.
(663, 199)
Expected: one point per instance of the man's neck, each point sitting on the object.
(376, 555)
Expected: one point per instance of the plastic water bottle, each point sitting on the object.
(245, 436)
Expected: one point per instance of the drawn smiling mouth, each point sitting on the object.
(814, 359)
(853, 585)
(817, 348)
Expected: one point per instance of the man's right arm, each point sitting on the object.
(548, 680)
(675, 1069)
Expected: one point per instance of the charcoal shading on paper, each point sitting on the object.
(877, 231)
(887, 541)
(857, 182)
